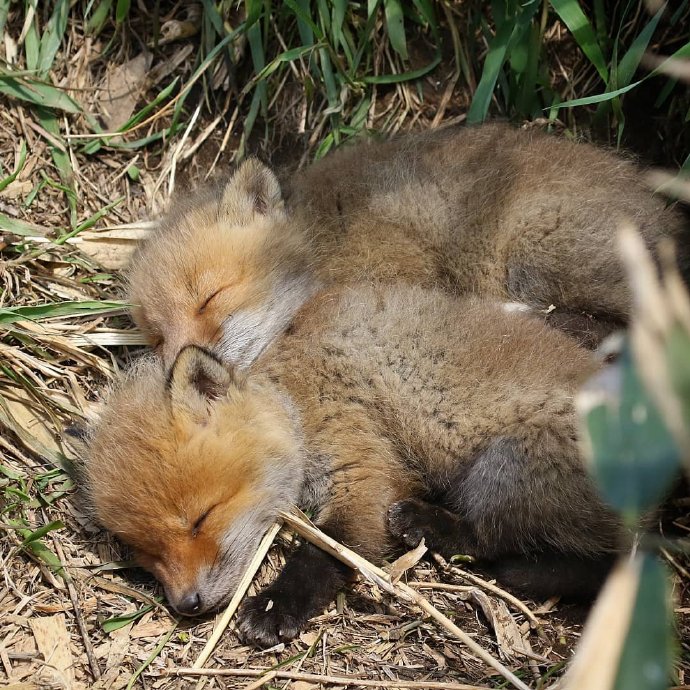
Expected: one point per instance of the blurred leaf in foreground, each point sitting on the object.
(634, 458)
(628, 642)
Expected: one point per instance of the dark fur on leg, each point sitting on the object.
(308, 582)
(590, 331)
(487, 510)
(443, 532)
(553, 574)
(540, 575)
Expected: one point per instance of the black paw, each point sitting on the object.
(304, 587)
(268, 619)
(407, 522)
(443, 532)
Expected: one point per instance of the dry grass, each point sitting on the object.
(73, 612)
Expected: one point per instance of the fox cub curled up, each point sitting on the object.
(496, 211)
(393, 413)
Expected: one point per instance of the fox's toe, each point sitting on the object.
(264, 623)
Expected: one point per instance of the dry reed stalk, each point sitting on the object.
(242, 588)
(299, 523)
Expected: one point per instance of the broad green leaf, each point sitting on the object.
(21, 227)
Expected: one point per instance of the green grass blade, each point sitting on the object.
(271, 67)
(305, 26)
(37, 93)
(4, 11)
(52, 36)
(301, 10)
(122, 10)
(61, 159)
(98, 18)
(631, 60)
(256, 48)
(41, 532)
(32, 41)
(682, 52)
(498, 51)
(19, 165)
(117, 622)
(404, 76)
(42, 552)
(158, 649)
(395, 24)
(20, 227)
(646, 660)
(574, 18)
(10, 315)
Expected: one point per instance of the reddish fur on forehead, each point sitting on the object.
(196, 250)
(152, 471)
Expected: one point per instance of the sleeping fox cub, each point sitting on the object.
(504, 213)
(393, 413)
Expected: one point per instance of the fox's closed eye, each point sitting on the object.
(209, 299)
(198, 524)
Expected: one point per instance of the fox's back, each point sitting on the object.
(439, 374)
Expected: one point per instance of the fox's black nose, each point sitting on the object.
(189, 604)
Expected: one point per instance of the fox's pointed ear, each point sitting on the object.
(78, 437)
(253, 190)
(197, 379)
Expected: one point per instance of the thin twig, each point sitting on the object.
(88, 647)
(399, 589)
(242, 588)
(265, 675)
(441, 586)
(494, 589)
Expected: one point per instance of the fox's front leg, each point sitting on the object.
(306, 585)
(354, 514)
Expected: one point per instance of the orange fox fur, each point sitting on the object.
(392, 413)
(493, 210)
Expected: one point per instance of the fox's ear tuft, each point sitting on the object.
(78, 436)
(253, 189)
(196, 380)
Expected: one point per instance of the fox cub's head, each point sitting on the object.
(225, 270)
(190, 470)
